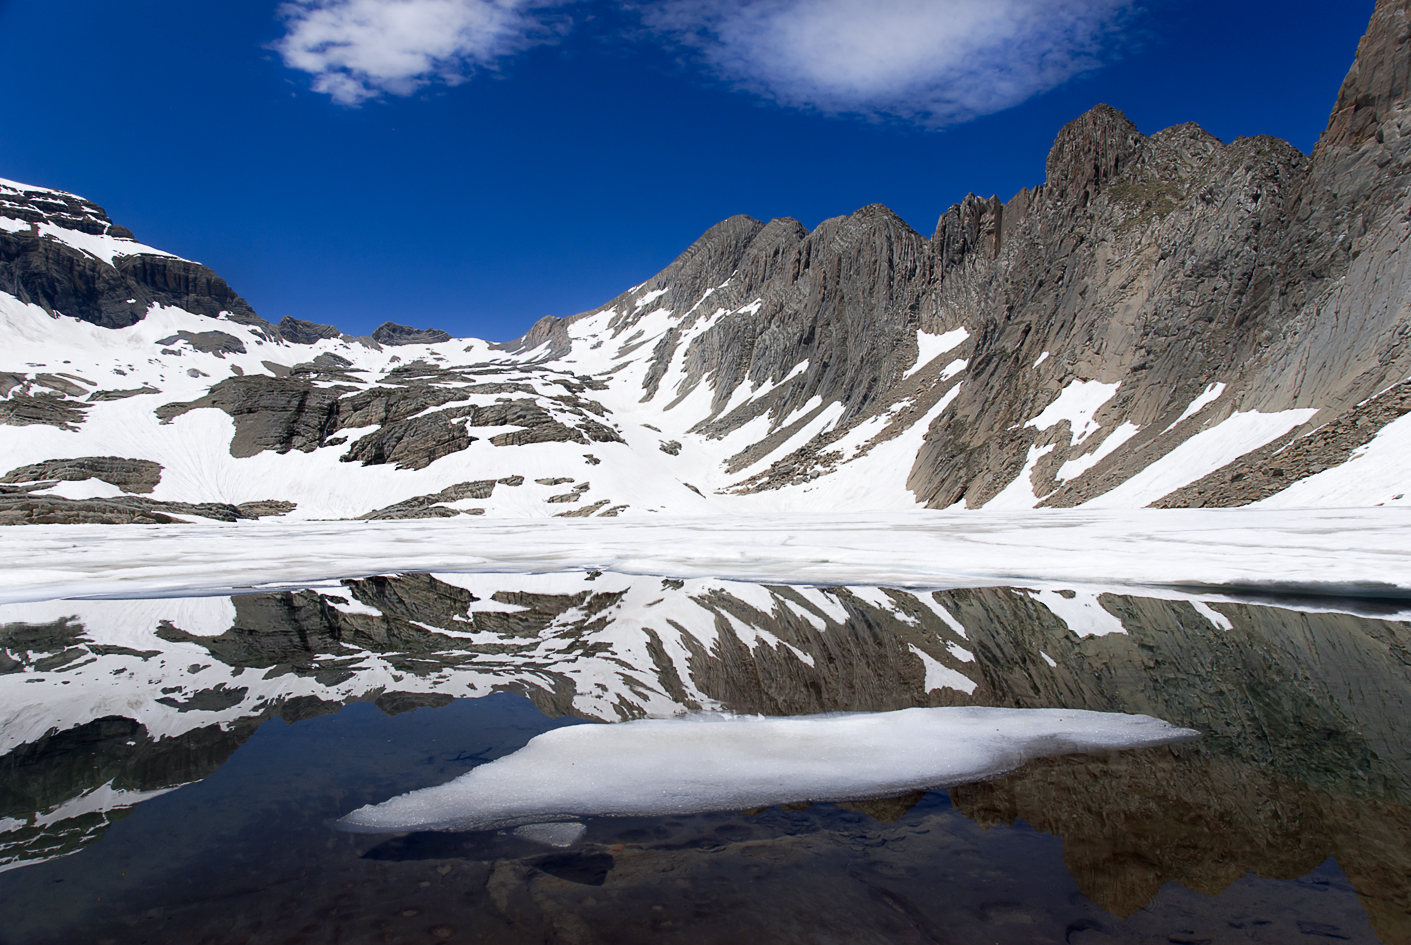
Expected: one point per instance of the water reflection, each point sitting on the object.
(105, 704)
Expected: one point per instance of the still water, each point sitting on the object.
(172, 770)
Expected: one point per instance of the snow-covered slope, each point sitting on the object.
(1168, 320)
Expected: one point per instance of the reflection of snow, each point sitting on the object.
(98, 800)
(939, 676)
(704, 763)
(601, 648)
(1081, 612)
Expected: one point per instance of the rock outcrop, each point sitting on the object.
(390, 333)
(38, 266)
(138, 476)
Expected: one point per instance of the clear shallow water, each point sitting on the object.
(1288, 821)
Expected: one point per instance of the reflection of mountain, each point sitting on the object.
(1304, 709)
(1136, 820)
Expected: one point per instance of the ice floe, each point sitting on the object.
(722, 762)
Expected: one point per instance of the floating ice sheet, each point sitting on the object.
(721, 762)
(1329, 551)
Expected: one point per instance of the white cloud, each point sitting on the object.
(935, 62)
(359, 49)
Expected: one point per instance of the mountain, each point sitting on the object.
(1166, 320)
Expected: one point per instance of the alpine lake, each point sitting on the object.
(173, 770)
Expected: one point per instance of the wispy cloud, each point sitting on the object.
(935, 62)
(359, 49)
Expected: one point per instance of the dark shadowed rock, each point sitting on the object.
(270, 413)
(299, 332)
(411, 444)
(390, 333)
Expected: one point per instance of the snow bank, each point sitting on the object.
(718, 762)
(1200, 455)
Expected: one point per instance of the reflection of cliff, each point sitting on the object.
(1322, 697)
(68, 786)
(1134, 821)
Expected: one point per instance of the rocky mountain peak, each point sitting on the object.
(35, 205)
(1089, 151)
(975, 225)
(300, 332)
(1374, 93)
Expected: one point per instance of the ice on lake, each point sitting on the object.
(724, 762)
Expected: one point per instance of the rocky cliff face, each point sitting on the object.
(62, 253)
(1167, 319)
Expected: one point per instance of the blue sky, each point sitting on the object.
(477, 164)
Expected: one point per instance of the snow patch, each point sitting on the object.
(1217, 619)
(1208, 396)
(1199, 456)
(1378, 473)
(1077, 403)
(1019, 494)
(930, 347)
(1074, 468)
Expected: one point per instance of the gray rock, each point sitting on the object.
(411, 444)
(299, 332)
(380, 405)
(425, 506)
(22, 409)
(27, 509)
(582, 512)
(129, 475)
(105, 395)
(217, 343)
(263, 507)
(390, 333)
(270, 413)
